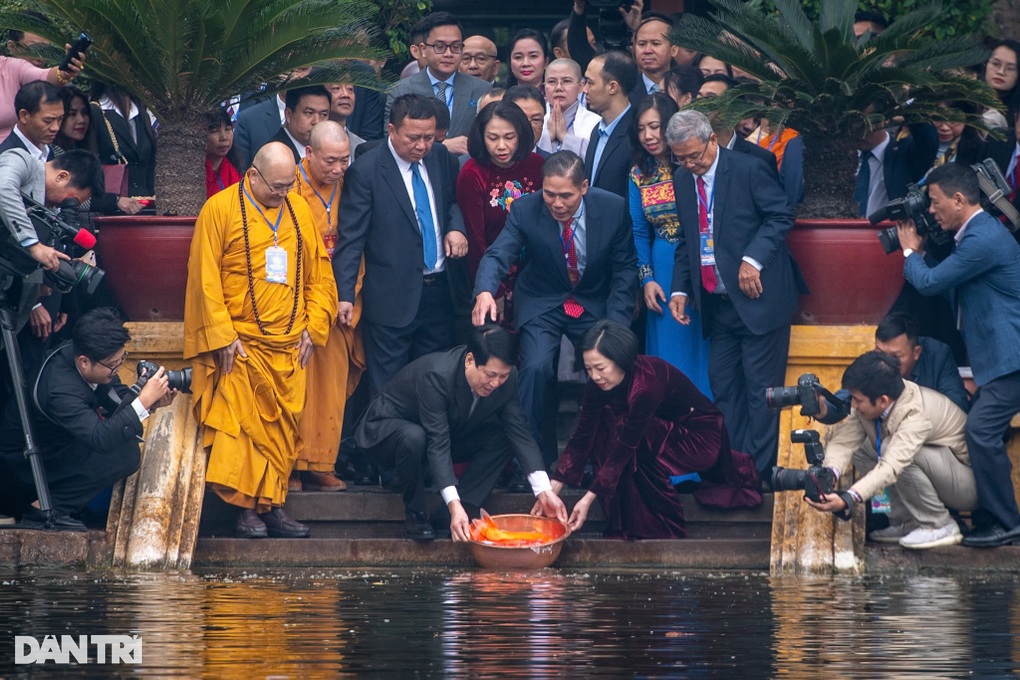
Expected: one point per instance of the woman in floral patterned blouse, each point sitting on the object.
(502, 168)
(656, 232)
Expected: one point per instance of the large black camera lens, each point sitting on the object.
(179, 380)
(75, 273)
(787, 479)
(889, 239)
(781, 397)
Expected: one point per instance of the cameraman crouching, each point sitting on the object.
(919, 455)
(982, 278)
(88, 423)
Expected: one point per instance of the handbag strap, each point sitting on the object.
(121, 160)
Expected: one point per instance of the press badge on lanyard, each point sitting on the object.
(276, 264)
(707, 240)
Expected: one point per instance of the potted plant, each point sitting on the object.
(182, 59)
(817, 78)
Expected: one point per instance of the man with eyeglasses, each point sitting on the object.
(87, 423)
(733, 265)
(568, 124)
(260, 297)
(443, 48)
(480, 58)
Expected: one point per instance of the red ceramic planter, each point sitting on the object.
(852, 280)
(146, 263)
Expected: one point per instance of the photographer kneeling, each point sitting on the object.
(919, 455)
(87, 422)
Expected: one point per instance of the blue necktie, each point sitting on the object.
(424, 210)
(863, 184)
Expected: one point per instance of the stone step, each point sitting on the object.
(577, 552)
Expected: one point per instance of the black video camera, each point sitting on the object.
(611, 26)
(176, 380)
(54, 230)
(805, 394)
(816, 481)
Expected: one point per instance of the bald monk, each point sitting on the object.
(334, 370)
(260, 296)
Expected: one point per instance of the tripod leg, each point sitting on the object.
(10, 344)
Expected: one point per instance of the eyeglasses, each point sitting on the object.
(553, 83)
(113, 369)
(480, 58)
(440, 48)
(693, 159)
(281, 188)
(997, 65)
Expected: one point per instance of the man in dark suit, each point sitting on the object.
(653, 54)
(982, 277)
(608, 79)
(892, 164)
(442, 48)
(40, 112)
(449, 408)
(306, 107)
(256, 124)
(732, 262)
(88, 424)
(398, 209)
(581, 267)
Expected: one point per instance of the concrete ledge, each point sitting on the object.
(952, 559)
(24, 548)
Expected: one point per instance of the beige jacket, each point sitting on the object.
(920, 417)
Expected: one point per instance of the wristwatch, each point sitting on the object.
(907, 252)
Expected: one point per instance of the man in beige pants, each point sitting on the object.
(917, 449)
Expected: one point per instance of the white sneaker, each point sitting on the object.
(922, 538)
(891, 534)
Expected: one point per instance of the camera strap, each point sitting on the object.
(38, 377)
(1000, 200)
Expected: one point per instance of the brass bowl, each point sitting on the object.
(507, 557)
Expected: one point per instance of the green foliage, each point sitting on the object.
(184, 57)
(395, 18)
(961, 17)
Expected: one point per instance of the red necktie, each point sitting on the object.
(570, 306)
(707, 270)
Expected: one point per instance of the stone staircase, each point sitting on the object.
(363, 527)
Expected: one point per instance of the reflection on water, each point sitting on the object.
(529, 624)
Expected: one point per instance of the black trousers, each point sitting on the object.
(991, 409)
(741, 365)
(485, 450)
(388, 349)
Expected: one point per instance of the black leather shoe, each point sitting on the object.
(57, 521)
(367, 475)
(992, 537)
(281, 525)
(518, 484)
(417, 526)
(250, 525)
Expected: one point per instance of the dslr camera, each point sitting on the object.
(914, 206)
(806, 394)
(816, 481)
(53, 229)
(176, 380)
(611, 26)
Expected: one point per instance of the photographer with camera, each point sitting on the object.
(917, 453)
(88, 423)
(981, 275)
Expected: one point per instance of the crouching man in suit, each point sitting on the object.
(455, 407)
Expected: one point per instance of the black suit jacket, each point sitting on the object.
(908, 159)
(282, 137)
(377, 219)
(609, 282)
(614, 166)
(752, 218)
(255, 126)
(741, 145)
(366, 120)
(14, 142)
(67, 414)
(139, 151)
(433, 392)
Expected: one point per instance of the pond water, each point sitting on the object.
(552, 623)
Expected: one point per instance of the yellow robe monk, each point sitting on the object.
(334, 370)
(250, 414)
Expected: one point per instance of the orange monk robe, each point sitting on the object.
(250, 414)
(776, 143)
(334, 371)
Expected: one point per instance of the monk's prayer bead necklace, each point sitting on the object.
(247, 259)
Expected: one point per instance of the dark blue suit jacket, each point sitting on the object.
(609, 282)
(614, 166)
(907, 160)
(376, 219)
(752, 218)
(255, 126)
(982, 278)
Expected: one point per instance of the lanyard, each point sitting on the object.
(878, 437)
(327, 206)
(448, 93)
(567, 244)
(219, 179)
(279, 216)
(711, 202)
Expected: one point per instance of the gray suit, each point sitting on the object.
(467, 90)
(21, 174)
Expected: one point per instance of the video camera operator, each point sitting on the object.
(918, 454)
(88, 423)
(981, 275)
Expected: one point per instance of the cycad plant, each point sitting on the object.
(819, 79)
(183, 58)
